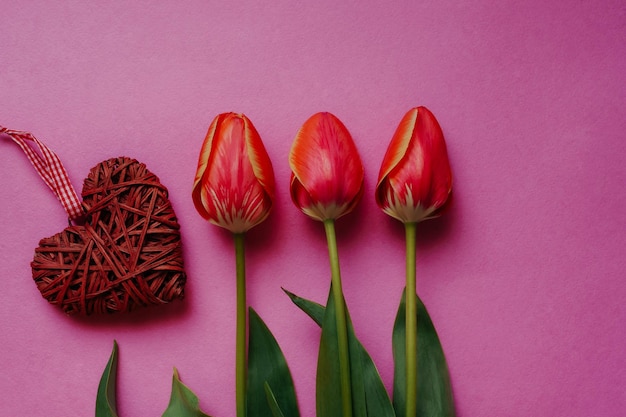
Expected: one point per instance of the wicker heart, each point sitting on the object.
(127, 254)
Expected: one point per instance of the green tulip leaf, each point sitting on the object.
(270, 387)
(369, 397)
(183, 402)
(434, 391)
(311, 308)
(377, 399)
(328, 380)
(105, 399)
(271, 400)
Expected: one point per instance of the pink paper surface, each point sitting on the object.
(524, 277)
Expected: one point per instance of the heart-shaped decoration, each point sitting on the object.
(126, 255)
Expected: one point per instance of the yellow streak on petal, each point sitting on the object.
(198, 195)
(399, 144)
(260, 160)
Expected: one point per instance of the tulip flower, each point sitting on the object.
(327, 173)
(414, 184)
(326, 183)
(234, 189)
(234, 184)
(415, 179)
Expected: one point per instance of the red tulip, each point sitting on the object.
(234, 184)
(415, 180)
(327, 173)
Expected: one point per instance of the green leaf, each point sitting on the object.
(434, 392)
(311, 308)
(183, 402)
(377, 399)
(271, 400)
(105, 399)
(369, 395)
(328, 380)
(267, 369)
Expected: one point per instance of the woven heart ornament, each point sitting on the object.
(125, 253)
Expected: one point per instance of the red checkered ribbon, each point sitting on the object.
(50, 169)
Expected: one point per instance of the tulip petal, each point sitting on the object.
(399, 144)
(203, 163)
(435, 146)
(315, 209)
(427, 170)
(258, 157)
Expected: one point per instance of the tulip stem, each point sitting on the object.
(411, 321)
(340, 312)
(240, 357)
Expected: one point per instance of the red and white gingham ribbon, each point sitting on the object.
(50, 169)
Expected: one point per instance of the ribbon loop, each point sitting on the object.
(50, 169)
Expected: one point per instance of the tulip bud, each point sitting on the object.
(415, 180)
(327, 173)
(234, 184)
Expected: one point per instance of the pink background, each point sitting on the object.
(524, 277)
